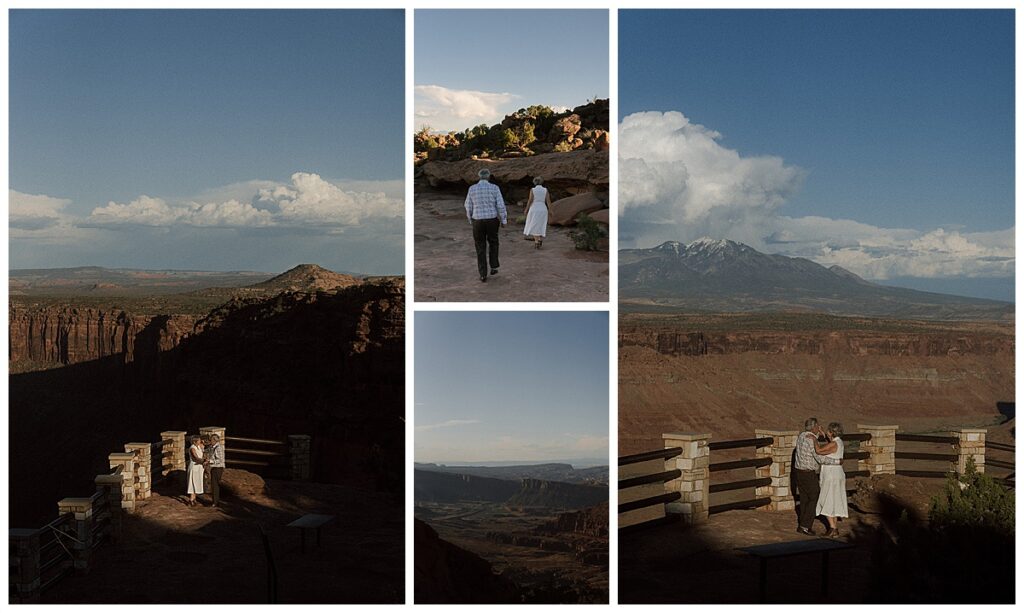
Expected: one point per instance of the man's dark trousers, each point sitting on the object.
(808, 487)
(215, 474)
(485, 236)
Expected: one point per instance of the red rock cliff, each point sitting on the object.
(70, 335)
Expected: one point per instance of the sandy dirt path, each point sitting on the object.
(445, 260)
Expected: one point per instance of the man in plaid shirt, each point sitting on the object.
(806, 468)
(485, 209)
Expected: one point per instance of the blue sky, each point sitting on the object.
(511, 386)
(476, 66)
(195, 109)
(882, 141)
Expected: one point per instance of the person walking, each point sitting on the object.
(537, 212)
(485, 210)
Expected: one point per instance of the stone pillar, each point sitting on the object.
(970, 445)
(881, 449)
(81, 524)
(781, 453)
(143, 468)
(693, 484)
(173, 451)
(126, 461)
(298, 450)
(23, 545)
(208, 431)
(110, 487)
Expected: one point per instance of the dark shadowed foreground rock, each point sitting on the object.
(446, 574)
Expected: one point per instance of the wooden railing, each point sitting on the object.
(261, 455)
(642, 495)
(718, 467)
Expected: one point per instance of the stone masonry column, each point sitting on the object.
(110, 487)
(23, 544)
(781, 453)
(173, 451)
(208, 431)
(693, 483)
(971, 445)
(82, 511)
(126, 461)
(143, 468)
(299, 451)
(881, 449)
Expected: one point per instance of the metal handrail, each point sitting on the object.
(659, 454)
(915, 455)
(745, 442)
(753, 503)
(927, 438)
(258, 441)
(662, 477)
(739, 485)
(733, 465)
(648, 502)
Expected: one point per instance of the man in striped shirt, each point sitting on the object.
(485, 209)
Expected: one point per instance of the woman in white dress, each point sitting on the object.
(194, 470)
(832, 499)
(537, 212)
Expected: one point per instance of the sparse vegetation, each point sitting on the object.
(587, 234)
(964, 554)
(527, 130)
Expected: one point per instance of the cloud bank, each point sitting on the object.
(251, 225)
(307, 202)
(446, 110)
(678, 182)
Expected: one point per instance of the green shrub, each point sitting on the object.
(973, 501)
(963, 554)
(587, 233)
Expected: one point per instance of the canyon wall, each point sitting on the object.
(727, 383)
(326, 363)
(60, 335)
(697, 343)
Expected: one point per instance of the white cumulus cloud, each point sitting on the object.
(307, 201)
(446, 110)
(678, 182)
(34, 212)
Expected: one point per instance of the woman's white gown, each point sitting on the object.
(194, 471)
(832, 499)
(537, 218)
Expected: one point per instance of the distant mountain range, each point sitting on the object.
(549, 472)
(97, 281)
(433, 486)
(725, 276)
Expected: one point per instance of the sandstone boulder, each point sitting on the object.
(600, 216)
(563, 212)
(565, 128)
(243, 483)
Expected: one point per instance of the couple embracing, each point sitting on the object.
(204, 456)
(819, 475)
